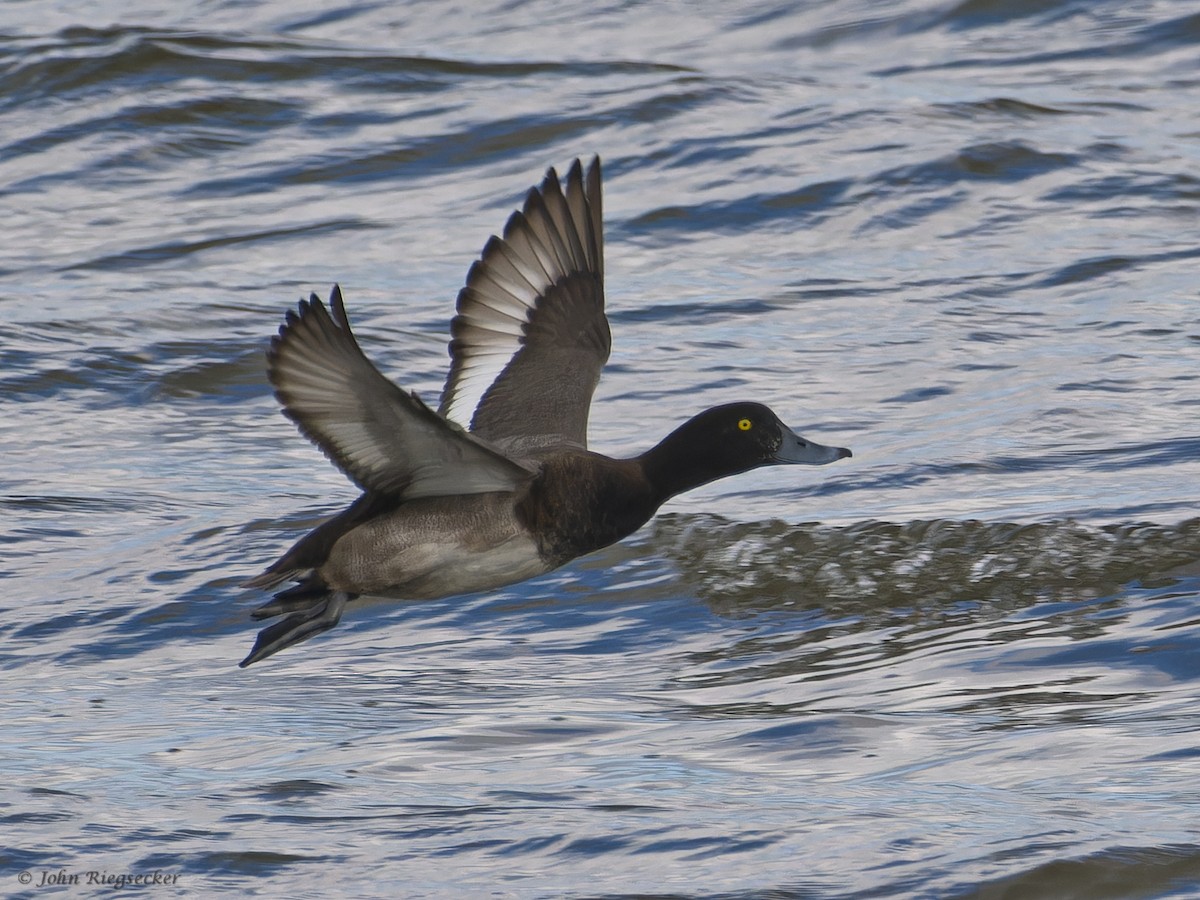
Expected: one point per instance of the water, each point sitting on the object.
(958, 238)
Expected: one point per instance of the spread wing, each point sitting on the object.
(383, 438)
(530, 336)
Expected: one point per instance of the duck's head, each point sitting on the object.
(729, 439)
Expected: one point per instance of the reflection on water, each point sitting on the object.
(957, 239)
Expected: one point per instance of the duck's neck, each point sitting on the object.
(675, 465)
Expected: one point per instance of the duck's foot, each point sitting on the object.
(297, 627)
(282, 604)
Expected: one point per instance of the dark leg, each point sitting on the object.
(317, 617)
(282, 605)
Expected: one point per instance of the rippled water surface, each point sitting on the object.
(960, 238)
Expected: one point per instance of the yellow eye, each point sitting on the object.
(745, 424)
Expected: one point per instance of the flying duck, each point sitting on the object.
(498, 485)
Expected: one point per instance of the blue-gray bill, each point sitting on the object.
(797, 450)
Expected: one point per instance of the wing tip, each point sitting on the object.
(307, 311)
(339, 308)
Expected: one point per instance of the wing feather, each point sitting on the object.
(385, 439)
(533, 384)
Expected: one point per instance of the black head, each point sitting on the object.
(726, 440)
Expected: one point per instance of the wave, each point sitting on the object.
(882, 564)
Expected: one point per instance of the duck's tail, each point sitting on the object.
(310, 607)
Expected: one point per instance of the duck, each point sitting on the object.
(497, 485)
